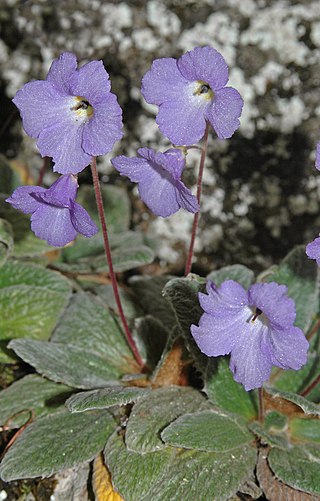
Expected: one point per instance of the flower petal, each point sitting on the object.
(163, 81)
(183, 120)
(60, 193)
(318, 157)
(206, 64)
(81, 220)
(63, 142)
(289, 348)
(185, 198)
(224, 112)
(136, 169)
(21, 198)
(313, 250)
(218, 336)
(104, 128)
(92, 82)
(53, 225)
(158, 192)
(172, 160)
(40, 106)
(60, 72)
(224, 301)
(251, 357)
(271, 298)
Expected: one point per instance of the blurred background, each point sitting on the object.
(261, 190)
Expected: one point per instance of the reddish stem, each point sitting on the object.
(99, 201)
(261, 406)
(309, 388)
(43, 169)
(199, 190)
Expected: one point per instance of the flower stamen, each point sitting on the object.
(82, 107)
(203, 89)
(257, 313)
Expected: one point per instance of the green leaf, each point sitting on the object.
(207, 431)
(31, 302)
(236, 272)
(31, 393)
(134, 475)
(123, 259)
(297, 381)
(157, 410)
(305, 429)
(297, 467)
(56, 442)
(197, 475)
(66, 364)
(116, 205)
(18, 273)
(270, 437)
(182, 293)
(148, 291)
(226, 393)
(307, 406)
(89, 325)
(104, 398)
(300, 275)
(6, 241)
(151, 338)
(130, 307)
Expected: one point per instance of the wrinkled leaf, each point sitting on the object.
(305, 429)
(229, 395)
(207, 430)
(157, 410)
(148, 292)
(56, 442)
(6, 241)
(89, 325)
(66, 364)
(141, 472)
(197, 475)
(297, 467)
(236, 272)
(30, 393)
(31, 302)
(275, 490)
(307, 406)
(104, 398)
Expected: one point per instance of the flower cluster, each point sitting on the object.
(256, 327)
(313, 248)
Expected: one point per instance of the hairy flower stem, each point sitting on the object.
(99, 201)
(261, 406)
(199, 190)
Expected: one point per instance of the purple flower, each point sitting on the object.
(313, 250)
(318, 157)
(72, 114)
(191, 91)
(159, 178)
(56, 217)
(255, 326)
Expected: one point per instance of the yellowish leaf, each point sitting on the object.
(101, 482)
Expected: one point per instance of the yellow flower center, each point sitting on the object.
(82, 107)
(203, 89)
